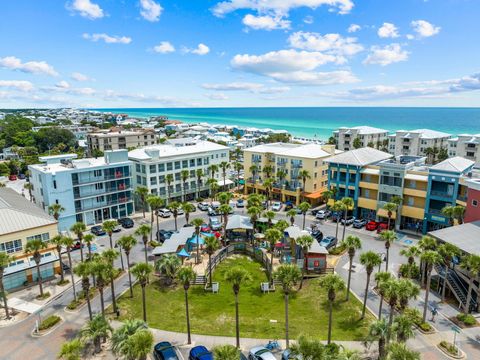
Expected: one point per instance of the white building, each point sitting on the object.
(90, 190)
(152, 164)
(415, 142)
(465, 145)
(345, 136)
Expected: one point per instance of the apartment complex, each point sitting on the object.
(21, 221)
(416, 142)
(345, 137)
(465, 145)
(152, 164)
(116, 139)
(371, 178)
(91, 190)
(283, 163)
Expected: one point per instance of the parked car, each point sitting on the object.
(288, 205)
(77, 246)
(213, 212)
(12, 177)
(126, 223)
(215, 223)
(21, 176)
(205, 228)
(117, 228)
(371, 225)
(203, 206)
(200, 352)
(164, 351)
(336, 216)
(277, 206)
(328, 242)
(164, 213)
(349, 220)
(359, 223)
(323, 214)
(180, 211)
(215, 205)
(163, 235)
(260, 353)
(317, 234)
(240, 203)
(384, 226)
(264, 204)
(97, 230)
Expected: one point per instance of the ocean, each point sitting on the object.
(321, 121)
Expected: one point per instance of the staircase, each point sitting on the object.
(458, 286)
(200, 280)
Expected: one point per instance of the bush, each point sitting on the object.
(154, 243)
(410, 271)
(425, 326)
(46, 295)
(74, 304)
(338, 250)
(452, 349)
(467, 319)
(48, 322)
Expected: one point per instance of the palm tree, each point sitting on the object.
(389, 207)
(34, 248)
(142, 272)
(403, 328)
(121, 335)
(5, 260)
(273, 236)
(213, 184)
(142, 193)
(449, 212)
(109, 226)
(369, 259)
(391, 292)
(378, 331)
(78, 228)
(304, 207)
(226, 352)
(268, 184)
(337, 207)
(281, 175)
(406, 290)
(430, 258)
(71, 350)
(254, 170)
(304, 241)
(55, 210)
(188, 208)
(168, 265)
(308, 348)
(110, 255)
(400, 351)
(332, 283)
(184, 175)
(291, 214)
(139, 345)
(224, 165)
(411, 253)
(169, 181)
(211, 245)
(199, 174)
(270, 215)
(100, 270)
(197, 222)
(425, 243)
(381, 277)
(225, 209)
(225, 197)
(173, 207)
(288, 275)
(281, 225)
(459, 213)
(212, 169)
(95, 330)
(58, 242)
(143, 231)
(238, 167)
(389, 237)
(471, 263)
(237, 276)
(254, 212)
(447, 251)
(348, 204)
(327, 195)
(304, 175)
(352, 243)
(127, 243)
(156, 203)
(84, 270)
(186, 276)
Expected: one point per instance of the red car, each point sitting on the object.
(371, 226)
(12, 177)
(205, 228)
(383, 226)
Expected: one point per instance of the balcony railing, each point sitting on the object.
(103, 204)
(104, 191)
(443, 194)
(94, 179)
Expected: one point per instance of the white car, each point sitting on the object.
(323, 214)
(203, 206)
(277, 206)
(180, 211)
(260, 353)
(164, 213)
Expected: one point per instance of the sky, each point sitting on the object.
(239, 53)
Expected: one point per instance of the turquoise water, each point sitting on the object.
(321, 122)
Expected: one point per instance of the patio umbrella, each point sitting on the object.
(183, 253)
(197, 240)
(259, 236)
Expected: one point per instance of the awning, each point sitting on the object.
(315, 195)
(197, 240)
(183, 253)
(227, 182)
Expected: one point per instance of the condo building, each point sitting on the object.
(416, 142)
(91, 190)
(345, 137)
(465, 145)
(283, 162)
(120, 139)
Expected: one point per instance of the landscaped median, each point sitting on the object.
(261, 315)
(47, 325)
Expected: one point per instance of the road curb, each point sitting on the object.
(52, 329)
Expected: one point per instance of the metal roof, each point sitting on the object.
(455, 164)
(464, 236)
(359, 157)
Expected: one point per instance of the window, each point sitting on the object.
(177, 176)
(54, 184)
(178, 188)
(11, 246)
(153, 169)
(100, 199)
(144, 169)
(137, 167)
(99, 186)
(315, 175)
(316, 163)
(161, 179)
(161, 167)
(177, 165)
(153, 180)
(475, 203)
(410, 201)
(43, 237)
(314, 186)
(97, 173)
(139, 179)
(169, 166)
(199, 161)
(192, 162)
(185, 164)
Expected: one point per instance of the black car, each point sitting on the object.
(359, 223)
(97, 230)
(164, 351)
(163, 235)
(317, 234)
(126, 223)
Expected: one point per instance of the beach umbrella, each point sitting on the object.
(183, 253)
(197, 240)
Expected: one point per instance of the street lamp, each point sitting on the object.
(384, 258)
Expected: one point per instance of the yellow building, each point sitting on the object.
(21, 221)
(283, 162)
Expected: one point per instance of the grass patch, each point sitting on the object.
(45, 295)
(449, 347)
(465, 320)
(49, 322)
(214, 314)
(81, 299)
(340, 249)
(62, 283)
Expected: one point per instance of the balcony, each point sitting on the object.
(98, 205)
(440, 193)
(109, 189)
(95, 179)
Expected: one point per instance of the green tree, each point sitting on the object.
(378, 331)
(254, 212)
(121, 335)
(48, 138)
(34, 247)
(449, 212)
(332, 141)
(304, 207)
(139, 345)
(109, 226)
(58, 242)
(357, 143)
(304, 241)
(109, 256)
(95, 330)
(184, 175)
(337, 208)
(237, 276)
(211, 245)
(304, 175)
(142, 272)
(327, 195)
(347, 205)
(197, 223)
(224, 210)
(143, 231)
(381, 278)
(425, 243)
(471, 263)
(168, 265)
(142, 193)
(55, 210)
(447, 251)
(411, 253)
(212, 169)
(199, 174)
(308, 348)
(100, 270)
(273, 236)
(352, 244)
(403, 328)
(5, 260)
(390, 208)
(254, 170)
(126, 243)
(430, 258)
(388, 236)
(291, 214)
(155, 203)
(400, 351)
(224, 165)
(406, 290)
(226, 352)
(78, 228)
(71, 350)
(188, 208)
(169, 181)
(84, 270)
(369, 259)
(68, 243)
(174, 206)
(186, 276)
(332, 283)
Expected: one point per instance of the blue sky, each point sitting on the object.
(163, 53)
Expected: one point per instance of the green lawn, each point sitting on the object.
(214, 314)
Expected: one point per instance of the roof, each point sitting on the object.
(464, 236)
(359, 157)
(295, 232)
(309, 150)
(425, 133)
(18, 214)
(364, 130)
(455, 164)
(416, 177)
(177, 240)
(239, 222)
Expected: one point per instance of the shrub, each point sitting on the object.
(154, 243)
(338, 250)
(467, 319)
(410, 271)
(74, 304)
(452, 349)
(46, 295)
(425, 326)
(48, 322)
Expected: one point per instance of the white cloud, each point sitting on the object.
(164, 47)
(424, 28)
(109, 39)
(308, 19)
(388, 30)
(354, 28)
(386, 55)
(246, 86)
(333, 44)
(86, 9)
(216, 96)
(79, 77)
(21, 85)
(33, 67)
(151, 10)
(63, 85)
(311, 78)
(274, 90)
(201, 50)
(265, 22)
(167, 101)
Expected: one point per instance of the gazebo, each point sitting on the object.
(239, 228)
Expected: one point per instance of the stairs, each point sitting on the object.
(200, 280)
(458, 286)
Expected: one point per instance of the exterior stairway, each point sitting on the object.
(200, 280)
(458, 286)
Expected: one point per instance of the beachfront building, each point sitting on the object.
(91, 190)
(467, 146)
(417, 142)
(153, 164)
(80, 131)
(21, 221)
(372, 178)
(345, 137)
(120, 139)
(283, 162)
(472, 207)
